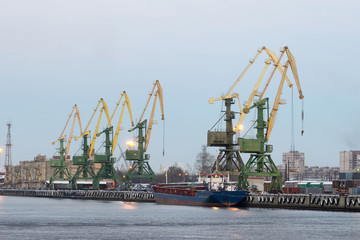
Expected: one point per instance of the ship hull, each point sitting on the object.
(199, 197)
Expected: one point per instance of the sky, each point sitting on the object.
(54, 54)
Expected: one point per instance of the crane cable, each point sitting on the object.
(292, 121)
(163, 137)
(302, 118)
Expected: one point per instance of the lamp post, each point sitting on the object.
(166, 177)
(1, 150)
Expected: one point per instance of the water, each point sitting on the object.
(44, 218)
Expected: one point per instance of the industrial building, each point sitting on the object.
(2, 178)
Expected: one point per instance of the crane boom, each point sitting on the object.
(277, 66)
(125, 103)
(76, 115)
(104, 106)
(151, 121)
(272, 58)
(276, 104)
(247, 68)
(103, 109)
(294, 70)
(159, 91)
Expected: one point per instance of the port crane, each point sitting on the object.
(61, 171)
(260, 162)
(85, 161)
(229, 159)
(140, 167)
(107, 170)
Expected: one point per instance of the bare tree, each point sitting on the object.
(175, 174)
(204, 161)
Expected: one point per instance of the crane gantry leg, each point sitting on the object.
(107, 170)
(85, 170)
(140, 167)
(260, 163)
(228, 160)
(61, 172)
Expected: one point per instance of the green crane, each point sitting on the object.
(260, 162)
(140, 167)
(107, 170)
(228, 160)
(61, 167)
(85, 169)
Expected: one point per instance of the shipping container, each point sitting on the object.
(349, 184)
(327, 186)
(291, 184)
(357, 176)
(316, 185)
(314, 190)
(342, 176)
(349, 176)
(292, 190)
(303, 184)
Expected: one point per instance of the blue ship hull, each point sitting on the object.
(199, 197)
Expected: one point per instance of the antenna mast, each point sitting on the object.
(8, 161)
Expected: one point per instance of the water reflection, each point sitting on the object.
(128, 205)
(30, 218)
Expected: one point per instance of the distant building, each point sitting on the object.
(293, 164)
(293, 168)
(2, 178)
(317, 173)
(34, 174)
(349, 161)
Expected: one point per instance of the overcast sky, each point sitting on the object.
(54, 54)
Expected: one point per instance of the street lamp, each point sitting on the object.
(1, 150)
(166, 178)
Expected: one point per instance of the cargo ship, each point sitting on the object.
(211, 190)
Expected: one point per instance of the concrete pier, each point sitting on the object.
(327, 202)
(131, 196)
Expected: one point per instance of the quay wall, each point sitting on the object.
(131, 196)
(329, 202)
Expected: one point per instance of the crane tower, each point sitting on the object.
(228, 160)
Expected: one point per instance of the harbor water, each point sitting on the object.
(46, 218)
